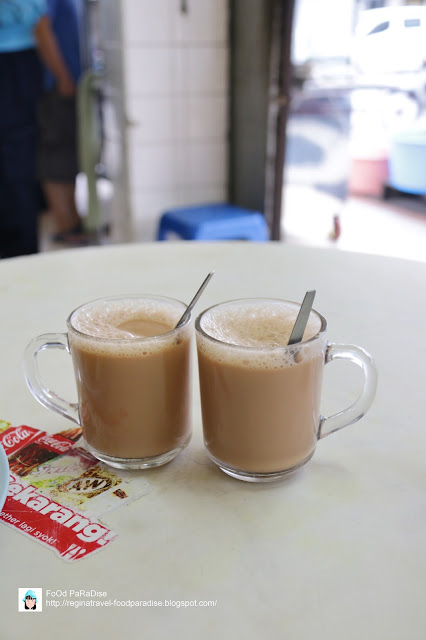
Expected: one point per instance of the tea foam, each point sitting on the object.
(104, 320)
(263, 326)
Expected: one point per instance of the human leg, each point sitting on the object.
(60, 197)
(20, 82)
(57, 159)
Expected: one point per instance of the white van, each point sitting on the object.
(390, 40)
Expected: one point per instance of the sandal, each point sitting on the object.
(67, 236)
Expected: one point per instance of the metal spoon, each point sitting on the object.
(194, 300)
(302, 318)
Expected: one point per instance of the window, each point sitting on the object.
(414, 22)
(380, 27)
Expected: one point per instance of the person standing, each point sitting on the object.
(25, 37)
(57, 119)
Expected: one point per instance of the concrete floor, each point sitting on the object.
(395, 227)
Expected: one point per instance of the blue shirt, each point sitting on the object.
(18, 19)
(65, 25)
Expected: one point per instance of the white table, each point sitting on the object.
(335, 552)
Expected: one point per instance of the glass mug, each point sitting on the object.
(260, 400)
(132, 370)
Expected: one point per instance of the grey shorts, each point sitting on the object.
(57, 158)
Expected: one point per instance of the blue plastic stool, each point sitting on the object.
(214, 222)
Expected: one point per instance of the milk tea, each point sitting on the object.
(260, 400)
(133, 376)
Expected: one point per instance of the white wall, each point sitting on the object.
(167, 83)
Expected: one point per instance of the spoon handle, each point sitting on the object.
(302, 318)
(194, 300)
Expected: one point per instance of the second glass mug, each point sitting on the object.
(133, 392)
(261, 404)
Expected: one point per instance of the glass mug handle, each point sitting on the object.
(359, 408)
(36, 385)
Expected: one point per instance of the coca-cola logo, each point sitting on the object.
(15, 437)
(55, 443)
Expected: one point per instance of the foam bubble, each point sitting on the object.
(118, 326)
(256, 323)
(107, 318)
(262, 325)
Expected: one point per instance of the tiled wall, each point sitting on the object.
(169, 68)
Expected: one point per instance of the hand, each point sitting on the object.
(66, 87)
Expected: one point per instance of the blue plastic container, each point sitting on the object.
(407, 161)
